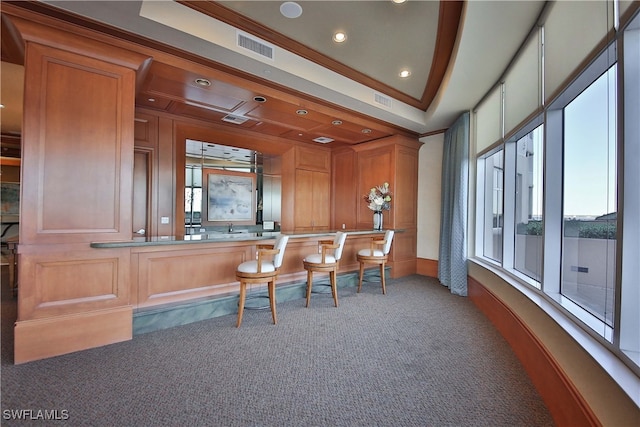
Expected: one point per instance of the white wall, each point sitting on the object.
(429, 183)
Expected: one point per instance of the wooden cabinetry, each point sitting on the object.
(312, 200)
(306, 198)
(393, 160)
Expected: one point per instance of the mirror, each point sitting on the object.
(229, 169)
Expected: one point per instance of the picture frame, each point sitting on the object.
(231, 196)
(10, 199)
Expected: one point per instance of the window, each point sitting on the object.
(493, 205)
(558, 206)
(589, 198)
(193, 197)
(528, 205)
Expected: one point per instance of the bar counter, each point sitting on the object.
(168, 270)
(213, 237)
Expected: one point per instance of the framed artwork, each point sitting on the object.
(231, 196)
(10, 198)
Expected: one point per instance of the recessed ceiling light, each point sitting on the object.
(336, 122)
(366, 131)
(151, 99)
(202, 82)
(260, 99)
(398, 1)
(404, 73)
(290, 9)
(301, 112)
(339, 37)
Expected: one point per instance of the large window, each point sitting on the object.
(558, 203)
(589, 198)
(528, 204)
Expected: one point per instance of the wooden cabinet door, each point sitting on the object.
(312, 200)
(321, 200)
(303, 205)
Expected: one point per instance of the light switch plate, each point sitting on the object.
(268, 225)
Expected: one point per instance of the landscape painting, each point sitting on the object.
(231, 196)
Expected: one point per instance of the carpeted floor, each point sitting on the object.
(418, 356)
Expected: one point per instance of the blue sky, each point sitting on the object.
(589, 150)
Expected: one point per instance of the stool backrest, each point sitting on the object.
(388, 237)
(339, 240)
(281, 243)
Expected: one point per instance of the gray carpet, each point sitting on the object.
(418, 356)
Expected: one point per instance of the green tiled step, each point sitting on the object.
(170, 315)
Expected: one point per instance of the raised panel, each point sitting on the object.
(75, 281)
(78, 121)
(60, 281)
(303, 204)
(344, 192)
(406, 189)
(312, 200)
(404, 246)
(375, 168)
(312, 159)
(321, 200)
(145, 130)
(171, 275)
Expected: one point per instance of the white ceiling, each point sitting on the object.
(380, 39)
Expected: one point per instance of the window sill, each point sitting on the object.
(622, 374)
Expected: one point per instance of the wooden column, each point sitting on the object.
(77, 174)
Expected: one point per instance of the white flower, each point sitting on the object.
(379, 198)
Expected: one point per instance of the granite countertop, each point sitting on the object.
(214, 237)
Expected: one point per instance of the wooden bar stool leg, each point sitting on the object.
(384, 289)
(243, 289)
(272, 300)
(361, 273)
(309, 284)
(334, 287)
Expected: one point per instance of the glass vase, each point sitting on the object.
(377, 220)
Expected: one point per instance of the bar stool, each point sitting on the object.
(325, 261)
(262, 270)
(378, 256)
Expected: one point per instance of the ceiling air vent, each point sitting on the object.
(323, 140)
(255, 45)
(382, 100)
(230, 118)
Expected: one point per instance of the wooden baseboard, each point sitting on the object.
(565, 403)
(427, 267)
(53, 336)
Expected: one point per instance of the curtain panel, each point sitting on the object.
(452, 261)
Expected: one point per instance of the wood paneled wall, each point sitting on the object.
(81, 138)
(393, 160)
(78, 150)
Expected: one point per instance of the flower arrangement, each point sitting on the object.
(379, 198)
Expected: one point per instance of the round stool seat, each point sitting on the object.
(252, 267)
(317, 259)
(368, 252)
